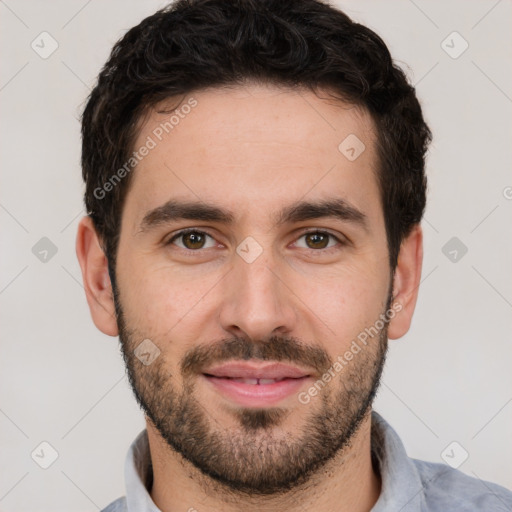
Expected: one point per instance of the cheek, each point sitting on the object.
(347, 303)
(158, 301)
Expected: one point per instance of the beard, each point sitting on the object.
(258, 456)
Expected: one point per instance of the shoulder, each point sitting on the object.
(446, 488)
(118, 505)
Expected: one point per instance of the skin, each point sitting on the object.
(253, 149)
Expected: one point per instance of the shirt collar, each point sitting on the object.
(138, 474)
(402, 487)
(401, 490)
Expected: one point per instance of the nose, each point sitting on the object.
(259, 302)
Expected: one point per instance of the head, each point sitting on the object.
(284, 139)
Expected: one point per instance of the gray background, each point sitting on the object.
(63, 382)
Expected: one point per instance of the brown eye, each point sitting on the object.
(191, 240)
(317, 240)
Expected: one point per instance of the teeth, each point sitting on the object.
(246, 381)
(256, 381)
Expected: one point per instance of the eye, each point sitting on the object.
(317, 240)
(194, 240)
(191, 239)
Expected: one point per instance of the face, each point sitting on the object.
(282, 266)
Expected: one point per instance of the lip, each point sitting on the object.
(246, 370)
(226, 379)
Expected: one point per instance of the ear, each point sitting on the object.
(98, 288)
(406, 282)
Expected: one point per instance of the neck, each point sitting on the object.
(346, 483)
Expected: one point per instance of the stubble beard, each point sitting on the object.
(258, 457)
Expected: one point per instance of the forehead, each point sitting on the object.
(254, 146)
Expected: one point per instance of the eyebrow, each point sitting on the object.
(175, 209)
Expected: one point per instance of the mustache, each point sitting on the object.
(281, 349)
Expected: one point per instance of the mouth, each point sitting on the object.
(260, 382)
(256, 384)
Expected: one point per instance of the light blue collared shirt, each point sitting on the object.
(408, 485)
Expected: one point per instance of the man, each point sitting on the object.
(255, 184)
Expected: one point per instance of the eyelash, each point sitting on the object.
(312, 231)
